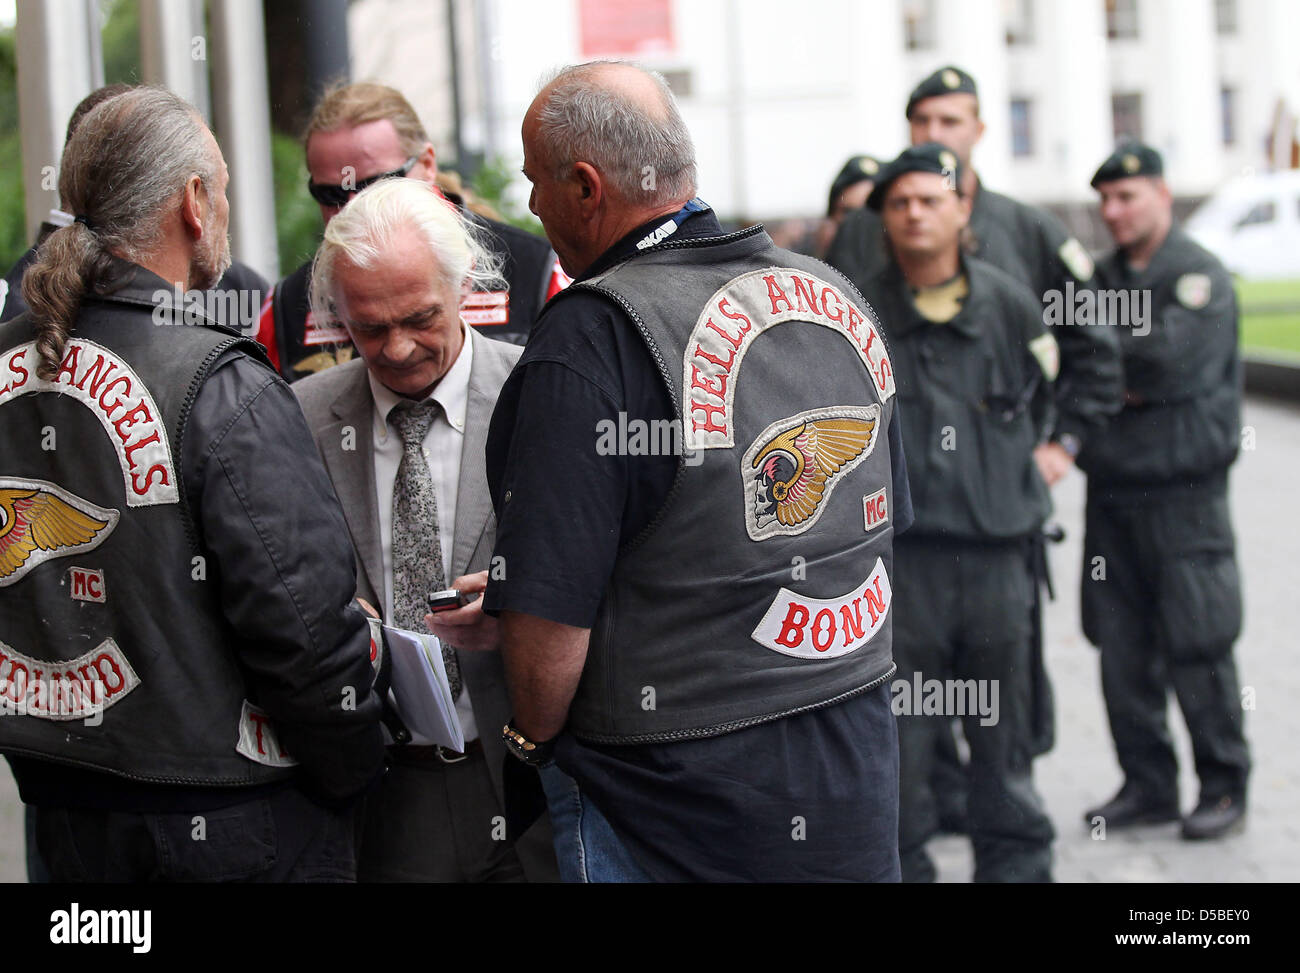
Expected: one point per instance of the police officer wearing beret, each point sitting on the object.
(849, 191)
(974, 364)
(1161, 592)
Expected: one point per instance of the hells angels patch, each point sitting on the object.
(40, 521)
(790, 470)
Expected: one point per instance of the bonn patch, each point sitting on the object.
(816, 628)
(739, 312)
(790, 470)
(40, 521)
(107, 386)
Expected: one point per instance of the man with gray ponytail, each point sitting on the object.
(184, 667)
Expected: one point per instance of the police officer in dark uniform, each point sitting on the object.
(1034, 247)
(848, 192)
(359, 133)
(1161, 592)
(974, 364)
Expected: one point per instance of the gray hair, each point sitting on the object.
(364, 228)
(647, 159)
(121, 171)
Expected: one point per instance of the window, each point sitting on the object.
(918, 24)
(1228, 114)
(1225, 16)
(1121, 19)
(1022, 127)
(1018, 16)
(1265, 212)
(1126, 114)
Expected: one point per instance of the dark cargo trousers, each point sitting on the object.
(962, 613)
(1161, 598)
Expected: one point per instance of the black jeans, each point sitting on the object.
(278, 837)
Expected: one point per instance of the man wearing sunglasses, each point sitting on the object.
(360, 134)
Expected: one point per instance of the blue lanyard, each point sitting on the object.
(669, 226)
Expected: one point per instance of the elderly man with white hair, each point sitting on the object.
(401, 430)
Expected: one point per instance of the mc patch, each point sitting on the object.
(40, 521)
(790, 470)
(875, 510)
(87, 584)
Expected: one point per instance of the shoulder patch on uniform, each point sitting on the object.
(1193, 291)
(40, 521)
(791, 469)
(106, 385)
(826, 628)
(741, 310)
(1048, 355)
(1076, 259)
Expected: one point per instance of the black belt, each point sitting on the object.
(416, 754)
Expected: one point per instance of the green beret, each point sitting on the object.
(929, 157)
(946, 81)
(858, 169)
(1130, 159)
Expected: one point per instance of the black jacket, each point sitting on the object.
(1181, 421)
(275, 553)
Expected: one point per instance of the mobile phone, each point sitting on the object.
(447, 599)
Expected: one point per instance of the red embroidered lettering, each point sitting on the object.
(112, 667)
(129, 452)
(720, 389)
(734, 342)
(258, 719)
(122, 379)
(796, 617)
(853, 629)
(140, 412)
(726, 365)
(97, 375)
(723, 308)
(854, 320)
(838, 316)
(775, 294)
(708, 424)
(69, 363)
(875, 602)
(805, 292)
(822, 640)
(140, 489)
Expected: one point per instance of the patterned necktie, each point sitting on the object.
(417, 552)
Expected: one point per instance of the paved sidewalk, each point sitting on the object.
(1081, 771)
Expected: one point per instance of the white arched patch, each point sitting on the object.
(826, 628)
(106, 385)
(739, 312)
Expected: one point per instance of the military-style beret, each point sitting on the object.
(1130, 159)
(856, 170)
(946, 81)
(929, 157)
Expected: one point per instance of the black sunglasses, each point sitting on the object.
(338, 196)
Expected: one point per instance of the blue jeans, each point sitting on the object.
(586, 847)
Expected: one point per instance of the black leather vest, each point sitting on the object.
(762, 588)
(114, 652)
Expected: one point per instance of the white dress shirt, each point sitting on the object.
(443, 445)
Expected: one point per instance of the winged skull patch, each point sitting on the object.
(40, 521)
(790, 470)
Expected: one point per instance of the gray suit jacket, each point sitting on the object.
(340, 412)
